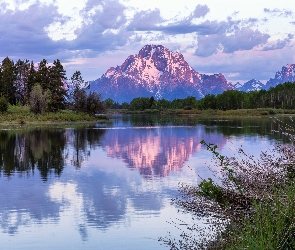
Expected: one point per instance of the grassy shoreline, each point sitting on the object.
(261, 112)
(21, 115)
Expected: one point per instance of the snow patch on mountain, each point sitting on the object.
(157, 71)
(252, 85)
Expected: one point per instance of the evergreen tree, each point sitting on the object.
(31, 81)
(22, 71)
(53, 79)
(42, 75)
(57, 86)
(78, 95)
(7, 88)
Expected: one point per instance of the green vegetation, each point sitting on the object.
(20, 115)
(41, 94)
(277, 100)
(251, 206)
(3, 104)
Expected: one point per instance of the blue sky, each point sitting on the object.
(241, 39)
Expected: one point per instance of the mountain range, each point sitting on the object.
(157, 71)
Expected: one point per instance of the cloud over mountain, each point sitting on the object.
(85, 33)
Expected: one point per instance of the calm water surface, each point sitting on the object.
(109, 186)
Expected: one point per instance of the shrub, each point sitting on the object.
(188, 108)
(272, 112)
(252, 206)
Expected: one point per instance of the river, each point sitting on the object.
(110, 185)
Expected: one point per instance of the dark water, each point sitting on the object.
(109, 186)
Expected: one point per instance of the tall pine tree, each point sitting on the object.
(8, 76)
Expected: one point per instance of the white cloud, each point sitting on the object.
(90, 29)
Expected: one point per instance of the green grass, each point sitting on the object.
(254, 208)
(215, 112)
(231, 113)
(22, 115)
(272, 225)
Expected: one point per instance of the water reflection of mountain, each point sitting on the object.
(157, 151)
(101, 198)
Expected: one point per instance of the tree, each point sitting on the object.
(125, 105)
(152, 99)
(3, 104)
(57, 86)
(7, 80)
(78, 95)
(163, 104)
(21, 83)
(109, 103)
(208, 102)
(31, 82)
(78, 81)
(80, 100)
(94, 103)
(38, 99)
(53, 78)
(140, 103)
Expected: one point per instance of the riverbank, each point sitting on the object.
(251, 208)
(21, 115)
(263, 112)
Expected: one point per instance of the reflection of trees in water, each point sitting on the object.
(44, 149)
(79, 144)
(24, 151)
(246, 126)
(83, 141)
(50, 156)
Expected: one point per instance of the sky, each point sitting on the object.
(242, 39)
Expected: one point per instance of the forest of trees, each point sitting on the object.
(44, 87)
(282, 96)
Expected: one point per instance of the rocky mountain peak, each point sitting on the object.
(159, 72)
(287, 74)
(251, 85)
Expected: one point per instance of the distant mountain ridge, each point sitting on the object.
(157, 71)
(250, 85)
(287, 74)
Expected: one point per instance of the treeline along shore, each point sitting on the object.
(40, 92)
(277, 100)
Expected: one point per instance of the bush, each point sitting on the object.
(251, 207)
(3, 104)
(188, 108)
(272, 112)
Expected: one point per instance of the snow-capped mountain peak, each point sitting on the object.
(157, 71)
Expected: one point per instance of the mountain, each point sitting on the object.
(287, 74)
(249, 86)
(157, 71)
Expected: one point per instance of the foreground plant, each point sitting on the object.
(250, 207)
